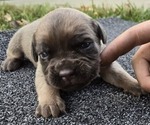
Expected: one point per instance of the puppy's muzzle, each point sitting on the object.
(66, 70)
(68, 74)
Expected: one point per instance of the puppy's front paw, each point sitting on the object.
(135, 90)
(50, 107)
(11, 64)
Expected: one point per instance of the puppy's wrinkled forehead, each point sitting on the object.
(62, 25)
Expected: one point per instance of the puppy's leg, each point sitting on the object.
(50, 102)
(117, 76)
(14, 54)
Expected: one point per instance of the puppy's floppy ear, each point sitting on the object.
(99, 30)
(33, 50)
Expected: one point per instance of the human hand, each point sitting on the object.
(141, 66)
(134, 36)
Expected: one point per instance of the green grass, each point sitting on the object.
(17, 13)
(29, 13)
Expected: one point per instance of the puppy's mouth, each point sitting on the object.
(72, 75)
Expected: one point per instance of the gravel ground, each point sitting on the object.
(98, 104)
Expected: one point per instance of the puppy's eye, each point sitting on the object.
(85, 45)
(43, 55)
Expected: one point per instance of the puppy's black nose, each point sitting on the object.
(65, 73)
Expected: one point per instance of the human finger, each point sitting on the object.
(136, 35)
(141, 65)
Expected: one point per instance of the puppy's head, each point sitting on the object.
(67, 44)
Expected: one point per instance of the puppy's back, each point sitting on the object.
(23, 38)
